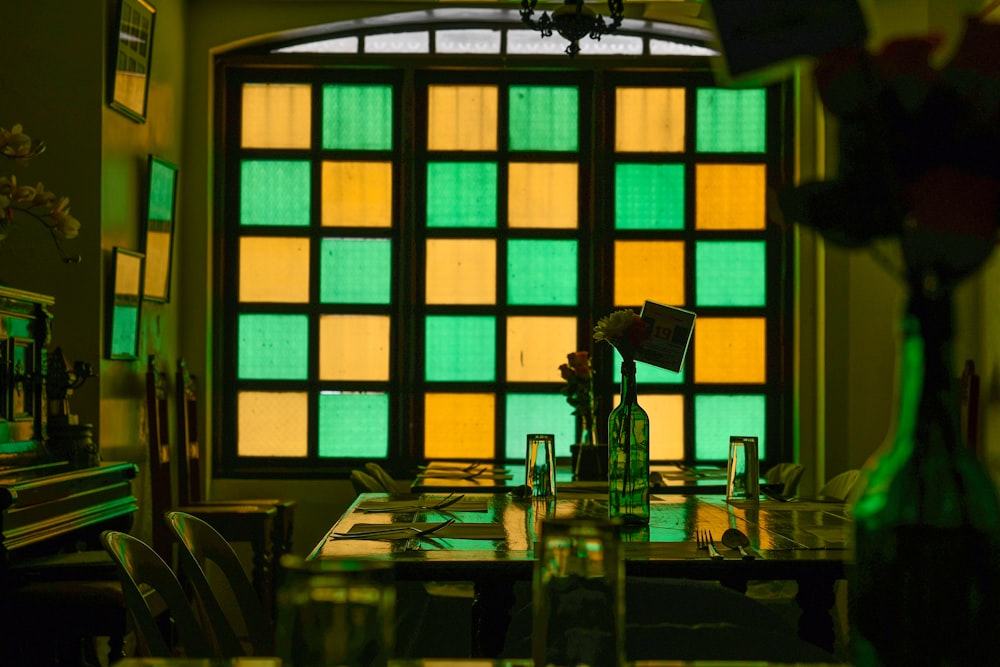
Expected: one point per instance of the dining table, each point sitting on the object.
(442, 662)
(490, 539)
(488, 477)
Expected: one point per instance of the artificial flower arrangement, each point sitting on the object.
(579, 391)
(35, 201)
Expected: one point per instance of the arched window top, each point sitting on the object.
(483, 31)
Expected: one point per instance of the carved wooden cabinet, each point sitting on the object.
(25, 329)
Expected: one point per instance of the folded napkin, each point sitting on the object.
(425, 505)
(462, 474)
(456, 531)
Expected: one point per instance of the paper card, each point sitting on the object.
(762, 41)
(669, 336)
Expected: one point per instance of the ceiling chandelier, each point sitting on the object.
(573, 21)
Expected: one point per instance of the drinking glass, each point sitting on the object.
(579, 595)
(743, 470)
(335, 613)
(540, 466)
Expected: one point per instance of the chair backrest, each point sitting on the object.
(969, 405)
(201, 544)
(189, 453)
(788, 475)
(138, 567)
(161, 493)
(840, 486)
(385, 479)
(365, 483)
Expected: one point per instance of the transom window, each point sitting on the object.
(410, 252)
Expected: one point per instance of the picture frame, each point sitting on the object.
(125, 304)
(132, 58)
(158, 232)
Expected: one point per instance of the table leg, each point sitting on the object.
(491, 614)
(262, 571)
(816, 598)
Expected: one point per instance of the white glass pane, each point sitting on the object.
(529, 42)
(398, 42)
(663, 47)
(467, 41)
(611, 45)
(340, 45)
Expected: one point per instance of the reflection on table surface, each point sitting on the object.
(446, 662)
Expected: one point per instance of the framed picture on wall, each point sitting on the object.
(158, 235)
(122, 330)
(131, 58)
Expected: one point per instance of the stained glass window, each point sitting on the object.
(411, 252)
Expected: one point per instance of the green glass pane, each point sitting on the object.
(460, 349)
(716, 417)
(544, 118)
(461, 194)
(274, 192)
(161, 191)
(124, 330)
(647, 374)
(355, 271)
(353, 425)
(731, 121)
(649, 196)
(542, 273)
(273, 347)
(538, 413)
(730, 273)
(357, 117)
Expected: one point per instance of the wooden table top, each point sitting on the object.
(496, 533)
(443, 662)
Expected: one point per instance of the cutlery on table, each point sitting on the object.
(447, 501)
(734, 538)
(705, 541)
(404, 532)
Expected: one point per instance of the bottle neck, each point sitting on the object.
(628, 391)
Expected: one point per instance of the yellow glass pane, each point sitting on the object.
(274, 269)
(357, 194)
(276, 115)
(666, 425)
(652, 270)
(649, 120)
(532, 344)
(272, 423)
(730, 349)
(461, 271)
(542, 195)
(730, 196)
(462, 118)
(459, 426)
(354, 347)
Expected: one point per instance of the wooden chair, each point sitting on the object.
(788, 475)
(840, 486)
(365, 483)
(388, 482)
(201, 546)
(140, 568)
(249, 521)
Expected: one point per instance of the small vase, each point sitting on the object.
(628, 465)
(926, 585)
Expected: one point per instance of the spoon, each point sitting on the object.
(734, 538)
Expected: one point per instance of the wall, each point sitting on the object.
(53, 82)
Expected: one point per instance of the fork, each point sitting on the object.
(415, 532)
(705, 541)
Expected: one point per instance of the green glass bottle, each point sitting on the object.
(628, 455)
(925, 588)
